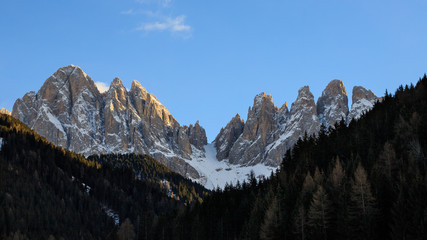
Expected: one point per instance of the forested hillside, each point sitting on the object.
(46, 191)
(362, 181)
(149, 169)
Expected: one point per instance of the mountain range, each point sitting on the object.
(71, 112)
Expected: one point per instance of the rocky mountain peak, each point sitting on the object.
(197, 135)
(360, 92)
(363, 100)
(260, 118)
(335, 87)
(228, 136)
(284, 106)
(5, 111)
(261, 99)
(237, 118)
(136, 86)
(117, 84)
(70, 112)
(332, 106)
(305, 97)
(303, 115)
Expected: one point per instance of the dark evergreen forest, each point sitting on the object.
(367, 180)
(49, 192)
(148, 169)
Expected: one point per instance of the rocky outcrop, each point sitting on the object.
(362, 100)
(5, 111)
(227, 136)
(257, 132)
(70, 112)
(303, 117)
(196, 135)
(270, 131)
(65, 110)
(332, 106)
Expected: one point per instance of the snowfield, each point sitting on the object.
(216, 173)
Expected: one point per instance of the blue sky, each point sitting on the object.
(206, 60)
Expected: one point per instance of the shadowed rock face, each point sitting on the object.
(363, 100)
(257, 132)
(227, 136)
(269, 132)
(70, 112)
(332, 106)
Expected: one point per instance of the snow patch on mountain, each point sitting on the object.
(216, 173)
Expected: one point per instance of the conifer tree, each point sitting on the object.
(319, 214)
(337, 176)
(338, 199)
(300, 222)
(270, 229)
(126, 230)
(307, 190)
(362, 209)
(318, 176)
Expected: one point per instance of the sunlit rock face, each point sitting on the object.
(270, 131)
(5, 111)
(70, 112)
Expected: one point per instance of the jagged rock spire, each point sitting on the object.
(332, 106)
(362, 100)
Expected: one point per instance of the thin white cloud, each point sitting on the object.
(163, 3)
(147, 13)
(170, 24)
(128, 12)
(102, 87)
(153, 19)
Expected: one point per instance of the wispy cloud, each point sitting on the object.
(170, 24)
(154, 19)
(147, 13)
(128, 12)
(102, 87)
(163, 3)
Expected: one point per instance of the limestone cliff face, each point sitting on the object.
(363, 100)
(196, 135)
(65, 110)
(277, 129)
(270, 131)
(5, 111)
(332, 106)
(227, 136)
(303, 117)
(70, 112)
(257, 132)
